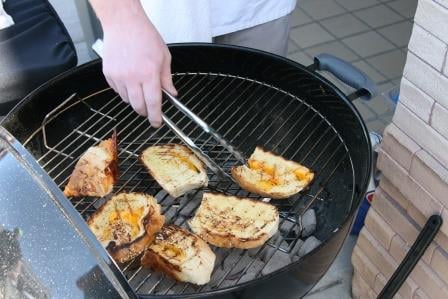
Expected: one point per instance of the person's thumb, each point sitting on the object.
(166, 79)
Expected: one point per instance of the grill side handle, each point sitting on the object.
(347, 73)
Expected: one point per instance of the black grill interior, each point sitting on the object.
(247, 113)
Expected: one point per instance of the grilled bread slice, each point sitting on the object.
(126, 224)
(230, 221)
(96, 172)
(181, 255)
(272, 176)
(175, 168)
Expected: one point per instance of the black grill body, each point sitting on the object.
(342, 159)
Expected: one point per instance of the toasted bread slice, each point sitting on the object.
(181, 255)
(126, 224)
(272, 176)
(96, 172)
(175, 168)
(230, 221)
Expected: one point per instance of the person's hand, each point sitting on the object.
(136, 62)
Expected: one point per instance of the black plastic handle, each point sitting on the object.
(411, 259)
(347, 73)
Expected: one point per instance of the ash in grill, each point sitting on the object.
(245, 112)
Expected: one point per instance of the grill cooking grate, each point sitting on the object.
(245, 112)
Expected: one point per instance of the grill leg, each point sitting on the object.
(411, 259)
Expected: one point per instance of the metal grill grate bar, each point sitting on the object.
(289, 213)
(240, 109)
(79, 128)
(92, 117)
(143, 122)
(284, 218)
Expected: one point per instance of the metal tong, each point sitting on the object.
(98, 48)
(190, 143)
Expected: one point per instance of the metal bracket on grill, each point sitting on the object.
(49, 117)
(60, 109)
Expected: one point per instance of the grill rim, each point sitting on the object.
(341, 96)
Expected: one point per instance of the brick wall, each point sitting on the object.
(414, 162)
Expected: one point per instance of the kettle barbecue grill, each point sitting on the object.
(250, 98)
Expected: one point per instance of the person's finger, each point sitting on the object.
(136, 98)
(153, 97)
(123, 92)
(166, 77)
(111, 83)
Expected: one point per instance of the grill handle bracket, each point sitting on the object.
(348, 74)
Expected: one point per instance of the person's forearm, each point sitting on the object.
(114, 12)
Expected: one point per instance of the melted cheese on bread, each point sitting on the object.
(125, 219)
(272, 176)
(175, 168)
(181, 255)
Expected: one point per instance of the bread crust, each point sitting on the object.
(157, 263)
(152, 222)
(87, 180)
(160, 261)
(251, 186)
(229, 239)
(248, 186)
